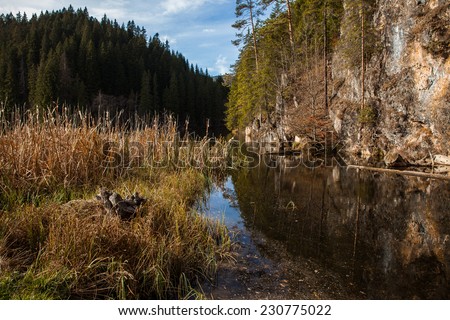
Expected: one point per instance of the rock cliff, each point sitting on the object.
(407, 80)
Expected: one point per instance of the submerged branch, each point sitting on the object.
(404, 172)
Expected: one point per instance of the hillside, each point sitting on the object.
(68, 57)
(374, 73)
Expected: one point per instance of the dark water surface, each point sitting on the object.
(383, 236)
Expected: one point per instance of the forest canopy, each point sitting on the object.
(67, 57)
(285, 63)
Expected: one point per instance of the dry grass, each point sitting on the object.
(44, 153)
(50, 250)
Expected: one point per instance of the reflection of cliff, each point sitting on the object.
(389, 235)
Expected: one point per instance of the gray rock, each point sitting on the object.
(115, 204)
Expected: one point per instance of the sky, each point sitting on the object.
(199, 29)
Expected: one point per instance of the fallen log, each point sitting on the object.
(403, 172)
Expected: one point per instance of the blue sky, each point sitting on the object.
(199, 29)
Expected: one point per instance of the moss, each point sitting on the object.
(367, 115)
(378, 154)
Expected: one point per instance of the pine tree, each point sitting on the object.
(146, 99)
(70, 57)
(65, 79)
(357, 31)
(10, 80)
(47, 81)
(173, 103)
(247, 12)
(156, 94)
(289, 18)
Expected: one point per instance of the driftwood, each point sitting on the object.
(125, 208)
(403, 172)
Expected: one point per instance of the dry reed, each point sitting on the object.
(77, 250)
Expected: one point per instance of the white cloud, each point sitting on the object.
(28, 6)
(207, 45)
(176, 6)
(199, 29)
(116, 9)
(222, 66)
(112, 13)
(171, 40)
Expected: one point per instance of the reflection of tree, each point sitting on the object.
(267, 196)
(385, 230)
(255, 194)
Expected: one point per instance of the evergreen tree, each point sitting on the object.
(146, 99)
(173, 102)
(356, 30)
(10, 79)
(65, 79)
(247, 12)
(47, 81)
(156, 94)
(70, 57)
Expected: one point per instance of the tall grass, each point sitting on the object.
(50, 249)
(43, 152)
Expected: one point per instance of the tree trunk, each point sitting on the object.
(325, 56)
(292, 41)
(402, 172)
(291, 29)
(363, 64)
(255, 47)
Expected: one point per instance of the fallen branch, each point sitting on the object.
(403, 172)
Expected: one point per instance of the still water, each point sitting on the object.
(382, 236)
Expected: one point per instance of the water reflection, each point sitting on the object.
(387, 235)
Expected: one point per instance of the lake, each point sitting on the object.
(333, 233)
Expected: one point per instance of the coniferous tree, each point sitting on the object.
(47, 81)
(146, 98)
(294, 45)
(173, 102)
(65, 79)
(247, 12)
(68, 57)
(10, 80)
(156, 93)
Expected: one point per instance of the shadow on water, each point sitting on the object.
(382, 236)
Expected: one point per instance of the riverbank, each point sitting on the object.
(56, 242)
(276, 275)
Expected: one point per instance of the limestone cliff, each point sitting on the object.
(406, 85)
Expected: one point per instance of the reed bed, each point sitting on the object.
(57, 243)
(43, 152)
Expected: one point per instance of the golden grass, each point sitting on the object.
(43, 153)
(55, 250)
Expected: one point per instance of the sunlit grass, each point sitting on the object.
(54, 248)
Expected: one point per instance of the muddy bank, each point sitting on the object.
(275, 275)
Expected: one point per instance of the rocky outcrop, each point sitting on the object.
(406, 86)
